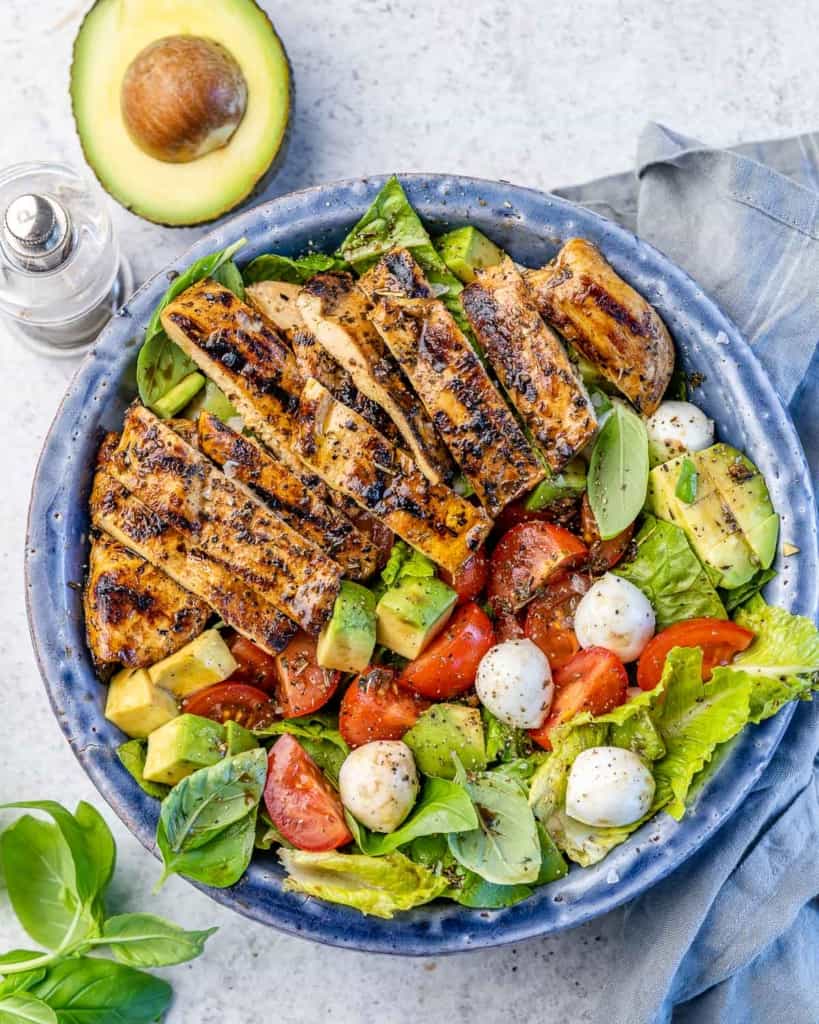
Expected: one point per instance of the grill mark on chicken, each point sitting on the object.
(133, 525)
(336, 312)
(354, 458)
(216, 515)
(607, 320)
(530, 363)
(471, 417)
(286, 495)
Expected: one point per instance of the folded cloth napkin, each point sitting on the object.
(733, 935)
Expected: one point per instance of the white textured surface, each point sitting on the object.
(536, 92)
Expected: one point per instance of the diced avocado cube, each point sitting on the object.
(466, 250)
(238, 739)
(182, 746)
(347, 641)
(213, 400)
(707, 521)
(179, 395)
(203, 661)
(136, 705)
(443, 730)
(745, 492)
(568, 483)
(410, 615)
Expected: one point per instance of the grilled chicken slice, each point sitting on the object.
(469, 414)
(284, 494)
(607, 320)
(530, 362)
(354, 458)
(336, 312)
(218, 516)
(134, 614)
(245, 356)
(277, 301)
(120, 515)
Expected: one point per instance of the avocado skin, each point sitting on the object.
(182, 746)
(466, 250)
(255, 189)
(347, 641)
(445, 729)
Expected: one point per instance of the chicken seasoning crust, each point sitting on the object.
(418, 542)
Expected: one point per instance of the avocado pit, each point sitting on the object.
(182, 97)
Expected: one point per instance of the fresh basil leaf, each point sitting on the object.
(319, 726)
(208, 801)
(92, 991)
(328, 756)
(230, 276)
(144, 940)
(24, 1008)
(272, 267)
(444, 807)
(267, 835)
(734, 599)
(25, 979)
(41, 882)
(552, 862)
(687, 482)
(470, 890)
(220, 862)
(505, 848)
(670, 575)
(132, 755)
(618, 471)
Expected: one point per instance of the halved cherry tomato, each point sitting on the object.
(448, 666)
(719, 639)
(303, 685)
(470, 579)
(593, 680)
(374, 708)
(603, 554)
(550, 618)
(230, 701)
(301, 803)
(508, 627)
(516, 513)
(256, 667)
(526, 558)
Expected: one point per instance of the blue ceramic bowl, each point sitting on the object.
(531, 226)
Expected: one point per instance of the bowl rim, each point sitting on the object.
(329, 925)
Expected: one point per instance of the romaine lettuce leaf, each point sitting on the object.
(272, 267)
(670, 575)
(374, 885)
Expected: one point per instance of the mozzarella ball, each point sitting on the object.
(614, 614)
(515, 682)
(378, 784)
(608, 786)
(676, 428)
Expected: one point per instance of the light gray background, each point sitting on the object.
(539, 93)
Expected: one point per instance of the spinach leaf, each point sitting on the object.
(230, 276)
(272, 267)
(552, 862)
(208, 801)
(132, 755)
(24, 1008)
(734, 599)
(144, 940)
(210, 399)
(319, 726)
(618, 471)
(470, 890)
(25, 979)
(687, 482)
(95, 991)
(220, 862)
(161, 364)
(327, 755)
(444, 807)
(505, 847)
(671, 576)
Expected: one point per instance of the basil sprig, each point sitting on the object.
(618, 471)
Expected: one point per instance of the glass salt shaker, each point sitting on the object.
(61, 275)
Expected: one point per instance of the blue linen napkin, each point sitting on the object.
(733, 935)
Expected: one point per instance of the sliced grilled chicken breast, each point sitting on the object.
(277, 301)
(530, 362)
(336, 312)
(123, 517)
(218, 516)
(609, 322)
(135, 615)
(469, 414)
(352, 457)
(244, 460)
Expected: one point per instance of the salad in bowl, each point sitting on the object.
(424, 569)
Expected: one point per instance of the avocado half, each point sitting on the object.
(111, 36)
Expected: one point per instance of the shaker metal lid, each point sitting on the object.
(36, 232)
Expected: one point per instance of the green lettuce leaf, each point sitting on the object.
(272, 267)
(670, 575)
(504, 742)
(374, 885)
